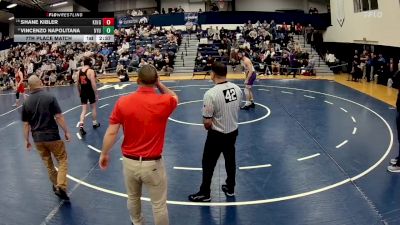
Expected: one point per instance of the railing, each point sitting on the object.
(183, 59)
(320, 21)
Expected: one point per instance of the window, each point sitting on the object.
(365, 5)
(374, 4)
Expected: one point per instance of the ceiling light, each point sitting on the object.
(11, 18)
(58, 4)
(11, 5)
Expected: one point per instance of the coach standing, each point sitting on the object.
(41, 114)
(143, 116)
(220, 118)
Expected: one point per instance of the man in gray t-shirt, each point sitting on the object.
(220, 118)
(42, 115)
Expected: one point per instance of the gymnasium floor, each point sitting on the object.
(312, 152)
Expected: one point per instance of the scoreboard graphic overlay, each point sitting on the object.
(66, 27)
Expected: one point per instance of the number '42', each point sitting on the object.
(230, 95)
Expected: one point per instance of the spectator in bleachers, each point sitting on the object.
(72, 65)
(330, 59)
(304, 65)
(172, 29)
(104, 51)
(216, 35)
(52, 79)
(375, 65)
(119, 67)
(123, 75)
(398, 65)
(258, 61)
(5, 81)
(356, 70)
(381, 59)
(30, 68)
(180, 10)
(159, 62)
(313, 10)
(311, 68)
(214, 7)
(142, 63)
(299, 29)
(272, 24)
(284, 27)
(169, 64)
(134, 63)
(97, 62)
(209, 63)
(264, 46)
(224, 47)
(265, 25)
(199, 33)
(234, 59)
(309, 30)
(140, 50)
(284, 64)
(210, 32)
(265, 34)
(382, 70)
(253, 35)
(246, 46)
(292, 28)
(294, 64)
(124, 59)
(200, 59)
(392, 67)
(223, 33)
(363, 61)
(368, 67)
(249, 25)
(63, 58)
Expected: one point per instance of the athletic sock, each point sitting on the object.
(95, 122)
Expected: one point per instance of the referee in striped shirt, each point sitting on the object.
(220, 119)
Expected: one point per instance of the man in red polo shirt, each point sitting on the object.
(143, 116)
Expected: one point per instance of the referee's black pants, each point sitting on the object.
(216, 144)
(398, 134)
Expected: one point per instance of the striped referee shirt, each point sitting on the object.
(222, 104)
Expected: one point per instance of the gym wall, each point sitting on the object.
(376, 27)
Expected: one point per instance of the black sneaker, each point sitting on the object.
(394, 161)
(245, 107)
(62, 194)
(199, 197)
(97, 125)
(82, 131)
(394, 169)
(227, 191)
(252, 105)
